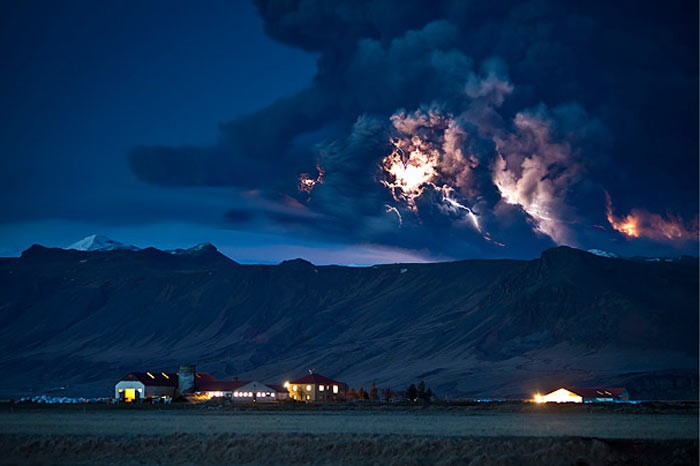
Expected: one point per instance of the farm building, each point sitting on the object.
(584, 395)
(316, 388)
(187, 382)
(207, 387)
(137, 386)
(259, 392)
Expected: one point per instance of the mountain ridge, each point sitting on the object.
(471, 328)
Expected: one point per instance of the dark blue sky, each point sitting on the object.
(171, 123)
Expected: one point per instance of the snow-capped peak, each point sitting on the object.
(601, 253)
(100, 243)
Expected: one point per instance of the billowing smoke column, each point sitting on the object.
(439, 126)
(431, 164)
(534, 172)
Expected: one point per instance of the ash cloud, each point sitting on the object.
(544, 107)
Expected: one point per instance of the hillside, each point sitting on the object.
(81, 319)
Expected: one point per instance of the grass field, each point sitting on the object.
(560, 435)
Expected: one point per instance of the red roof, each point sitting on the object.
(213, 385)
(316, 379)
(605, 392)
(153, 379)
(203, 382)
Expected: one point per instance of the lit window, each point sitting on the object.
(272, 395)
(308, 397)
(235, 394)
(335, 389)
(308, 388)
(294, 388)
(321, 388)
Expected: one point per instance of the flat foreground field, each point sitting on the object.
(131, 436)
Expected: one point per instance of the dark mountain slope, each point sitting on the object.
(83, 318)
(570, 295)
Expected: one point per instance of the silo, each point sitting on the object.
(185, 379)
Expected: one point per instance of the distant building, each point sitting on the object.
(186, 383)
(584, 395)
(602, 395)
(257, 392)
(207, 387)
(138, 386)
(316, 388)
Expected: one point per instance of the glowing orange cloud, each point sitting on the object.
(428, 153)
(409, 174)
(640, 223)
(307, 183)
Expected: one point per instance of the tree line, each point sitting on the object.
(414, 393)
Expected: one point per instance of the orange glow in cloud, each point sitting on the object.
(642, 224)
(428, 154)
(409, 175)
(307, 183)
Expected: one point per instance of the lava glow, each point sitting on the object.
(428, 157)
(640, 223)
(307, 183)
(409, 176)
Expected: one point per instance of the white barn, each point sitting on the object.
(137, 386)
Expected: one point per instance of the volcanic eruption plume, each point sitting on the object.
(429, 157)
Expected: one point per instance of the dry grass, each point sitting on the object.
(73, 436)
(293, 449)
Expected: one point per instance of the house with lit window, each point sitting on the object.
(585, 395)
(316, 388)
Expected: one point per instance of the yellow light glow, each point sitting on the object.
(308, 388)
(150, 375)
(165, 375)
(129, 395)
(561, 395)
(286, 384)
